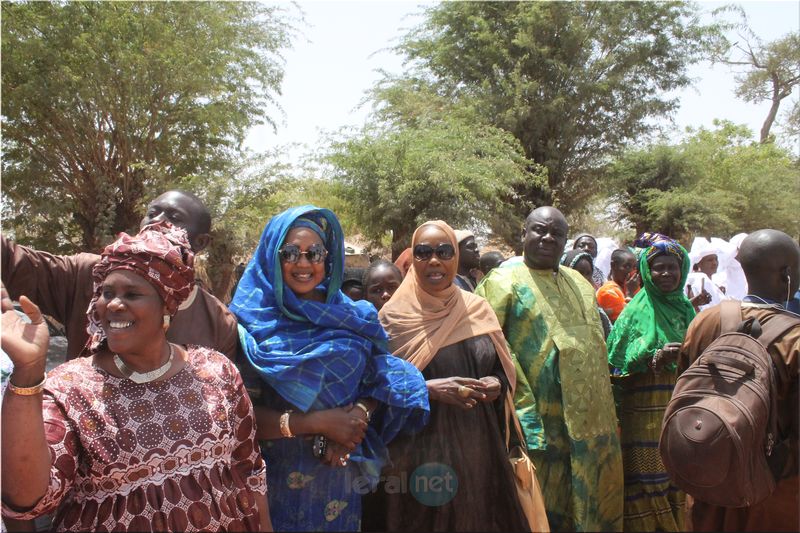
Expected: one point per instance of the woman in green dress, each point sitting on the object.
(642, 348)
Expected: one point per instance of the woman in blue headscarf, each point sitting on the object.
(330, 395)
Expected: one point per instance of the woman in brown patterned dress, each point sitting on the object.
(144, 435)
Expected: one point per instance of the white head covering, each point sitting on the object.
(702, 247)
(605, 247)
(730, 274)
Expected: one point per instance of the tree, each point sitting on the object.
(396, 178)
(715, 182)
(772, 69)
(105, 103)
(572, 81)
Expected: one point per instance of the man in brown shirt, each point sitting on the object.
(771, 263)
(62, 285)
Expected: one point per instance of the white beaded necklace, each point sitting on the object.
(144, 377)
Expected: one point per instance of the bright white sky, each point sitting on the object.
(328, 71)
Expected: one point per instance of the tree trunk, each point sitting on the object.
(773, 112)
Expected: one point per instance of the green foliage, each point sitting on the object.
(107, 102)
(572, 81)
(716, 182)
(463, 173)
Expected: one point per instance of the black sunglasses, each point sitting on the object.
(423, 252)
(290, 253)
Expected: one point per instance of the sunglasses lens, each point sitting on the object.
(423, 252)
(445, 252)
(316, 254)
(289, 253)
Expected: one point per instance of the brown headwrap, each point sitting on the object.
(403, 261)
(419, 324)
(160, 253)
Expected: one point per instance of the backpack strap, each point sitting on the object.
(772, 330)
(775, 327)
(730, 315)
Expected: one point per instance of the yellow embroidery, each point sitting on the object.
(334, 509)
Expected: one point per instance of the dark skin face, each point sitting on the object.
(469, 256)
(491, 260)
(621, 270)
(182, 211)
(382, 283)
(303, 277)
(587, 244)
(708, 265)
(544, 238)
(585, 269)
(436, 274)
(354, 291)
(666, 272)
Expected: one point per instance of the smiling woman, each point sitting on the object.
(647, 327)
(104, 432)
(328, 396)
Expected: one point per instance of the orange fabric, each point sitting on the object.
(419, 324)
(611, 298)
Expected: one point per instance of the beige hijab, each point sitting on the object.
(419, 323)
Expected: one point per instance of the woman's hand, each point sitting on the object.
(336, 455)
(463, 392)
(25, 343)
(632, 284)
(343, 425)
(701, 299)
(664, 356)
(491, 388)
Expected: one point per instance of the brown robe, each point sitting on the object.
(781, 511)
(61, 285)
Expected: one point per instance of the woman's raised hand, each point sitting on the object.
(25, 343)
(343, 425)
(463, 392)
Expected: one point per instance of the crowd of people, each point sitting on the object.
(383, 398)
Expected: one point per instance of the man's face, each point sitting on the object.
(544, 239)
(469, 256)
(181, 211)
(588, 245)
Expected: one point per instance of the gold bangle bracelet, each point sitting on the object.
(27, 391)
(284, 424)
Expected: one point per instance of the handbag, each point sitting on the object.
(528, 490)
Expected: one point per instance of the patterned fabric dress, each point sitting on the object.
(648, 322)
(173, 455)
(313, 356)
(563, 395)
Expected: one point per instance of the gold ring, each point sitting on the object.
(464, 391)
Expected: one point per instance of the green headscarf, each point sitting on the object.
(652, 318)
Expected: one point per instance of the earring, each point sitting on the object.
(788, 289)
(166, 322)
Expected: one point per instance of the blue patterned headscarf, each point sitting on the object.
(320, 355)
